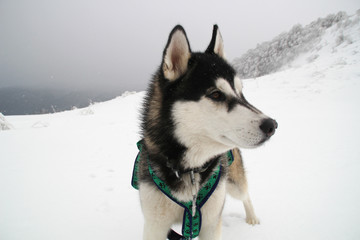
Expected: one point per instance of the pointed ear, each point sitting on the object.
(216, 45)
(176, 54)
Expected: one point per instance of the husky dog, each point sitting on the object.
(193, 114)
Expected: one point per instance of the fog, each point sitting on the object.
(109, 44)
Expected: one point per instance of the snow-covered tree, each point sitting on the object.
(270, 56)
(4, 124)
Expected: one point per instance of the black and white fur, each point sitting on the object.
(193, 113)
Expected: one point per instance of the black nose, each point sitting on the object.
(268, 126)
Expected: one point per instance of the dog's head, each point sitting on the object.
(208, 106)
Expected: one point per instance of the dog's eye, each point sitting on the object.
(216, 96)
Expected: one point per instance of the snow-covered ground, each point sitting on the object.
(66, 176)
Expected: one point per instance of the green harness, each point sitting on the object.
(192, 214)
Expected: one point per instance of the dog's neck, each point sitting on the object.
(200, 151)
(182, 178)
(182, 158)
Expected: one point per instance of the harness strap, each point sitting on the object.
(192, 215)
(191, 221)
(135, 177)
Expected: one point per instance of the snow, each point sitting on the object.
(67, 175)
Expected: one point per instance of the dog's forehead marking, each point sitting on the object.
(238, 85)
(225, 87)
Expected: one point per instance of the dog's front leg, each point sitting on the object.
(237, 187)
(211, 232)
(211, 214)
(154, 230)
(159, 212)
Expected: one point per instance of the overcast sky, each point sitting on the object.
(116, 44)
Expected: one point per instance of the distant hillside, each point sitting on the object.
(22, 101)
(269, 57)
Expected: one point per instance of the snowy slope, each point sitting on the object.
(272, 56)
(67, 175)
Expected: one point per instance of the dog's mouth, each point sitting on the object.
(252, 137)
(237, 139)
(263, 140)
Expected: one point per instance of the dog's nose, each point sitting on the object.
(268, 127)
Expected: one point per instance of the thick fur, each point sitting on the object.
(193, 113)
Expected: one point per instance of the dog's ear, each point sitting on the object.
(176, 54)
(216, 45)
